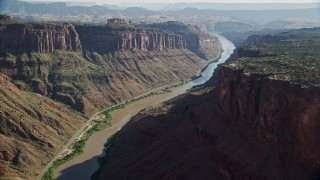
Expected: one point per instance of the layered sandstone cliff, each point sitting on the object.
(40, 38)
(106, 39)
(280, 113)
(234, 131)
(196, 40)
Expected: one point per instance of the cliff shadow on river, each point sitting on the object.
(260, 121)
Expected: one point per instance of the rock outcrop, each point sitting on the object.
(203, 46)
(195, 39)
(117, 21)
(282, 114)
(105, 39)
(30, 71)
(40, 38)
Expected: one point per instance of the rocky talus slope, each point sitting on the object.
(54, 75)
(260, 121)
(32, 130)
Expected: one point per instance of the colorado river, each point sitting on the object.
(84, 165)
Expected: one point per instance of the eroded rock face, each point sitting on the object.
(207, 47)
(246, 128)
(196, 40)
(32, 72)
(41, 38)
(150, 41)
(106, 39)
(33, 128)
(117, 21)
(279, 113)
(104, 79)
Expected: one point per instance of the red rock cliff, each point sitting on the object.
(245, 128)
(148, 40)
(106, 39)
(280, 113)
(41, 38)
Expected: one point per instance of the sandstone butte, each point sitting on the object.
(54, 76)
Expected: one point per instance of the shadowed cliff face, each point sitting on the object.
(246, 128)
(261, 39)
(279, 113)
(40, 38)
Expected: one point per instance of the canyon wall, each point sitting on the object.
(196, 40)
(280, 113)
(258, 120)
(103, 80)
(91, 67)
(33, 128)
(105, 39)
(40, 38)
(262, 39)
(28, 74)
(245, 128)
(87, 68)
(208, 47)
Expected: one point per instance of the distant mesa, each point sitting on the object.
(118, 21)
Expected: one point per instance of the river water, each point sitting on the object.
(84, 165)
(228, 48)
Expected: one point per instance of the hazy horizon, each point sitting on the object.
(159, 5)
(179, 1)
